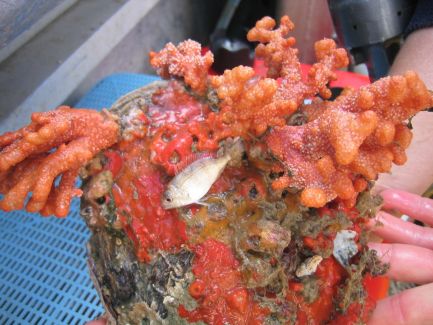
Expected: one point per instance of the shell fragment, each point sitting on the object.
(345, 247)
(309, 266)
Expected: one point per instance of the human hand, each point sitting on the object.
(410, 253)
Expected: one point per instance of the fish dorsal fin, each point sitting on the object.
(189, 159)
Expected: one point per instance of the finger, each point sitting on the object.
(407, 263)
(410, 307)
(415, 206)
(395, 230)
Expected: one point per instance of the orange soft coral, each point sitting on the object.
(275, 47)
(29, 164)
(345, 142)
(258, 103)
(352, 140)
(276, 50)
(185, 61)
(247, 102)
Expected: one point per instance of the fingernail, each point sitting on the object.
(379, 216)
(372, 246)
(375, 221)
(396, 198)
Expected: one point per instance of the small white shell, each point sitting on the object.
(345, 246)
(309, 266)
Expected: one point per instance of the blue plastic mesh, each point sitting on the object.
(43, 272)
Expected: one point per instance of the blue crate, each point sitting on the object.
(43, 271)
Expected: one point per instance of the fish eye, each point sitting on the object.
(168, 199)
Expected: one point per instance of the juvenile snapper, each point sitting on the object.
(192, 184)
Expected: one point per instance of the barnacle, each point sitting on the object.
(56, 143)
(186, 61)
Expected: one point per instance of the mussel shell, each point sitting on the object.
(131, 292)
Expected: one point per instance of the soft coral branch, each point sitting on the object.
(56, 143)
(184, 61)
(276, 49)
(359, 135)
(260, 103)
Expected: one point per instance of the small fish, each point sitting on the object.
(192, 183)
(345, 247)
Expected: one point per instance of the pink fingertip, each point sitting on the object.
(381, 252)
(395, 230)
(378, 219)
(408, 263)
(413, 205)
